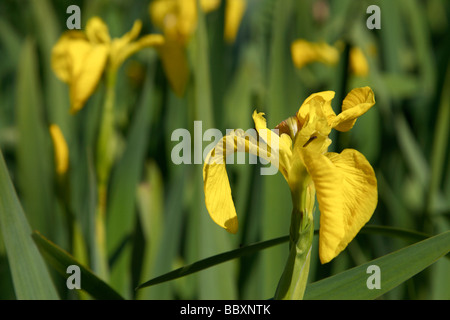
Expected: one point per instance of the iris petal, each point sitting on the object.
(346, 189)
(356, 103)
(218, 199)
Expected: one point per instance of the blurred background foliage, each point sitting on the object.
(156, 217)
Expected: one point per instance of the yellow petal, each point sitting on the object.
(234, 11)
(159, 9)
(175, 64)
(97, 31)
(281, 145)
(61, 150)
(120, 51)
(346, 189)
(209, 5)
(358, 62)
(327, 110)
(79, 63)
(218, 199)
(87, 74)
(305, 52)
(63, 54)
(355, 104)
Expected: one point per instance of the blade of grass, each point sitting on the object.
(30, 276)
(60, 260)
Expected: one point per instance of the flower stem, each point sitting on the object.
(295, 275)
(104, 161)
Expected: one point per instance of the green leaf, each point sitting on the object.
(214, 260)
(395, 268)
(29, 273)
(60, 260)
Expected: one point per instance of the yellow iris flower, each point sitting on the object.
(61, 150)
(304, 52)
(345, 183)
(178, 21)
(79, 58)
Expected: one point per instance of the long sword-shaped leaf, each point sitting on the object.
(60, 260)
(214, 260)
(394, 268)
(29, 273)
(253, 248)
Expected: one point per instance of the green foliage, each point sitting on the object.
(158, 232)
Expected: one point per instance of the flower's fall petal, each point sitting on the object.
(87, 74)
(218, 199)
(346, 189)
(80, 64)
(234, 11)
(61, 150)
(356, 103)
(358, 62)
(305, 52)
(97, 31)
(175, 63)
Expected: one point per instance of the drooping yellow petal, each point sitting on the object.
(358, 62)
(80, 64)
(218, 199)
(61, 150)
(234, 11)
(305, 52)
(356, 103)
(175, 64)
(346, 189)
(87, 73)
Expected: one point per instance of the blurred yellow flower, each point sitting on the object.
(234, 11)
(61, 150)
(79, 58)
(345, 182)
(178, 21)
(305, 52)
(358, 62)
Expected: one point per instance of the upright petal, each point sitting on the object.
(97, 31)
(327, 110)
(281, 145)
(346, 189)
(356, 103)
(218, 199)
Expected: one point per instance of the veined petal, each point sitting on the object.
(346, 189)
(327, 110)
(356, 103)
(234, 11)
(218, 199)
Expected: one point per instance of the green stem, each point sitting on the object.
(104, 161)
(295, 275)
